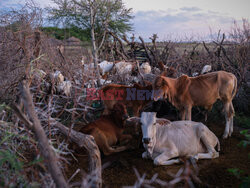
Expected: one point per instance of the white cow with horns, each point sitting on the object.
(165, 140)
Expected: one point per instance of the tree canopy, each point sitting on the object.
(108, 14)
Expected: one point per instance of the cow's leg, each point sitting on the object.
(163, 159)
(211, 151)
(182, 114)
(231, 128)
(208, 108)
(102, 142)
(231, 119)
(206, 155)
(227, 116)
(170, 162)
(108, 150)
(125, 138)
(169, 153)
(226, 131)
(188, 111)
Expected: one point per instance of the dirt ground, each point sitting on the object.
(213, 173)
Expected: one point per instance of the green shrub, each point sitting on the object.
(242, 120)
(245, 181)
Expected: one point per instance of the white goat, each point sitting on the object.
(145, 68)
(206, 69)
(105, 67)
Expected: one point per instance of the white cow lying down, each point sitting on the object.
(165, 140)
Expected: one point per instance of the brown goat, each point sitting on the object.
(108, 130)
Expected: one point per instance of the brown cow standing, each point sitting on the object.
(186, 92)
(121, 94)
(108, 130)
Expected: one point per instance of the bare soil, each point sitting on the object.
(213, 173)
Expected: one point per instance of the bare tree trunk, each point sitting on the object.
(45, 149)
(94, 48)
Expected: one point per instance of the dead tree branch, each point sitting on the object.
(80, 139)
(124, 54)
(147, 51)
(207, 49)
(46, 150)
(154, 50)
(88, 142)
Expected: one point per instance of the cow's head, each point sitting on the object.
(160, 88)
(120, 113)
(148, 121)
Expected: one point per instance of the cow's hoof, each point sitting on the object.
(157, 163)
(192, 159)
(196, 158)
(215, 154)
(224, 136)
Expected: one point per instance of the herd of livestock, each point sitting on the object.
(164, 141)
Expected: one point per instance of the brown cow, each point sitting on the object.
(108, 130)
(130, 99)
(186, 92)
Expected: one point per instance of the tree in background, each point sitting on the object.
(64, 33)
(99, 16)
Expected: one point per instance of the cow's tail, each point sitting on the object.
(218, 144)
(235, 87)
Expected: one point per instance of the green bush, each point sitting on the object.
(64, 33)
(242, 120)
(245, 181)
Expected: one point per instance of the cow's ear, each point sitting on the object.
(164, 82)
(133, 120)
(160, 81)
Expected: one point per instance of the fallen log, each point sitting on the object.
(88, 142)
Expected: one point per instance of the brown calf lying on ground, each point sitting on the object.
(108, 130)
(186, 92)
(127, 95)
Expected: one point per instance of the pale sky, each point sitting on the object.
(172, 19)
(233, 8)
